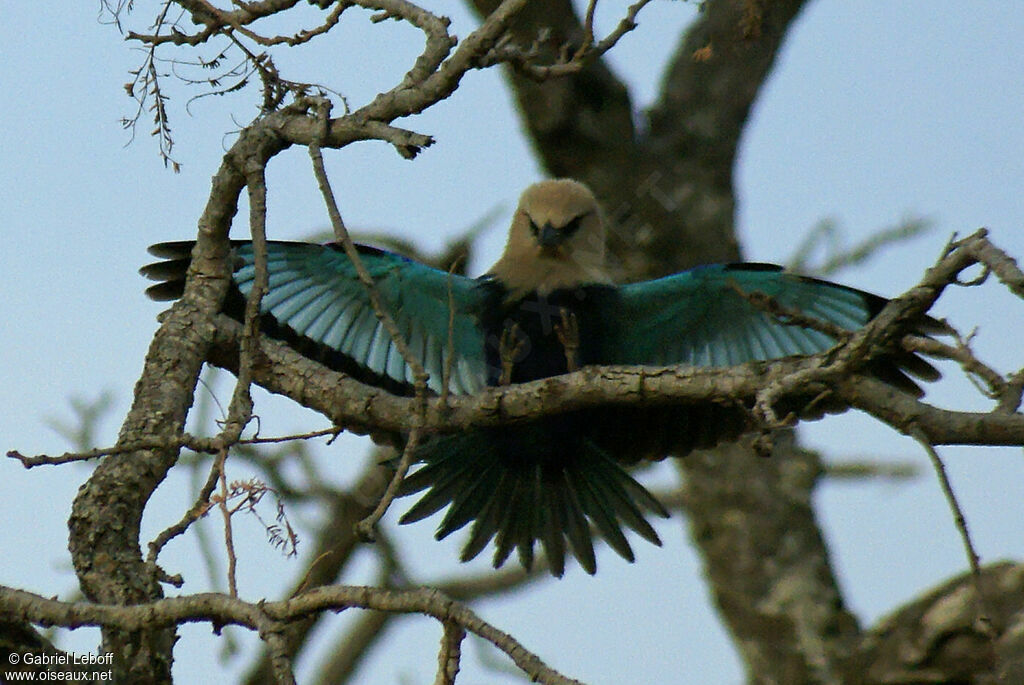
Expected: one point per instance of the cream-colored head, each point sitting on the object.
(556, 240)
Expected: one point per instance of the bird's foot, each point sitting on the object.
(509, 349)
(568, 332)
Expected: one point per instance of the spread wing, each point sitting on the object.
(702, 317)
(315, 299)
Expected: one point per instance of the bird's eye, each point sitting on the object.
(571, 227)
(533, 227)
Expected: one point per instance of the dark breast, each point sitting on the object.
(537, 336)
(624, 433)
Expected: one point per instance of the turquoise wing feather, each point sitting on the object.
(701, 316)
(314, 291)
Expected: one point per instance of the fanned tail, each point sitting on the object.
(542, 482)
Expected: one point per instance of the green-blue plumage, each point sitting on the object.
(549, 480)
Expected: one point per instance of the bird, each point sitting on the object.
(548, 306)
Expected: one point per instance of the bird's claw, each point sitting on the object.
(568, 332)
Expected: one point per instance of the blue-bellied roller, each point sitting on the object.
(548, 306)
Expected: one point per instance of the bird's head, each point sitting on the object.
(559, 219)
(556, 240)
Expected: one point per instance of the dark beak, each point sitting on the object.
(549, 237)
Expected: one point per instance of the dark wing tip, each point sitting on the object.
(171, 272)
(166, 292)
(174, 249)
(165, 270)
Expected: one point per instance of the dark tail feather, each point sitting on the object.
(576, 527)
(515, 529)
(604, 518)
(901, 367)
(521, 485)
(452, 481)
(614, 488)
(489, 520)
(552, 525)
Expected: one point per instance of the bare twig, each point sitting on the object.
(525, 60)
(229, 543)
(364, 528)
(995, 384)
(333, 432)
(195, 512)
(420, 377)
(985, 616)
(864, 469)
(351, 646)
(446, 375)
(196, 444)
(789, 316)
(240, 408)
(70, 457)
(588, 29)
(305, 579)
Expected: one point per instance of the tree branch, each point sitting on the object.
(347, 402)
(265, 616)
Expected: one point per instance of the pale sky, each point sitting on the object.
(876, 112)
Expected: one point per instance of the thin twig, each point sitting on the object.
(789, 316)
(301, 587)
(240, 408)
(196, 444)
(565, 64)
(70, 457)
(984, 616)
(229, 542)
(341, 234)
(866, 469)
(349, 647)
(195, 512)
(446, 374)
(588, 29)
(364, 528)
(962, 355)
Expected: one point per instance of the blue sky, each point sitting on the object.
(877, 112)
